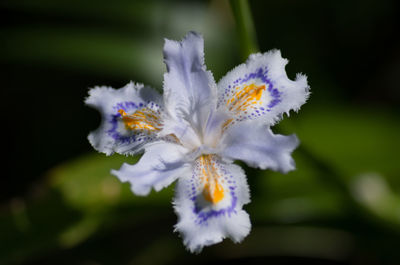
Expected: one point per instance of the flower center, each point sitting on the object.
(145, 119)
(212, 190)
(247, 96)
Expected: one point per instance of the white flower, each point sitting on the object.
(196, 130)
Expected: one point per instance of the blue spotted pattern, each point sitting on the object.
(260, 74)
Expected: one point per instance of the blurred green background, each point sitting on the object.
(60, 205)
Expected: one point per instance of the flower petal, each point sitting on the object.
(159, 166)
(259, 147)
(209, 203)
(181, 130)
(260, 89)
(189, 89)
(130, 116)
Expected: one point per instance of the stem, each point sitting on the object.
(245, 27)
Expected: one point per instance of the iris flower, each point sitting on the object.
(194, 132)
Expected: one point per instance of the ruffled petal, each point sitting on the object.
(209, 203)
(130, 118)
(161, 164)
(260, 89)
(259, 147)
(189, 89)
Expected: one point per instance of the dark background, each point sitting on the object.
(58, 203)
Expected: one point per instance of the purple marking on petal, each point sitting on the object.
(204, 216)
(262, 74)
(127, 106)
(273, 103)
